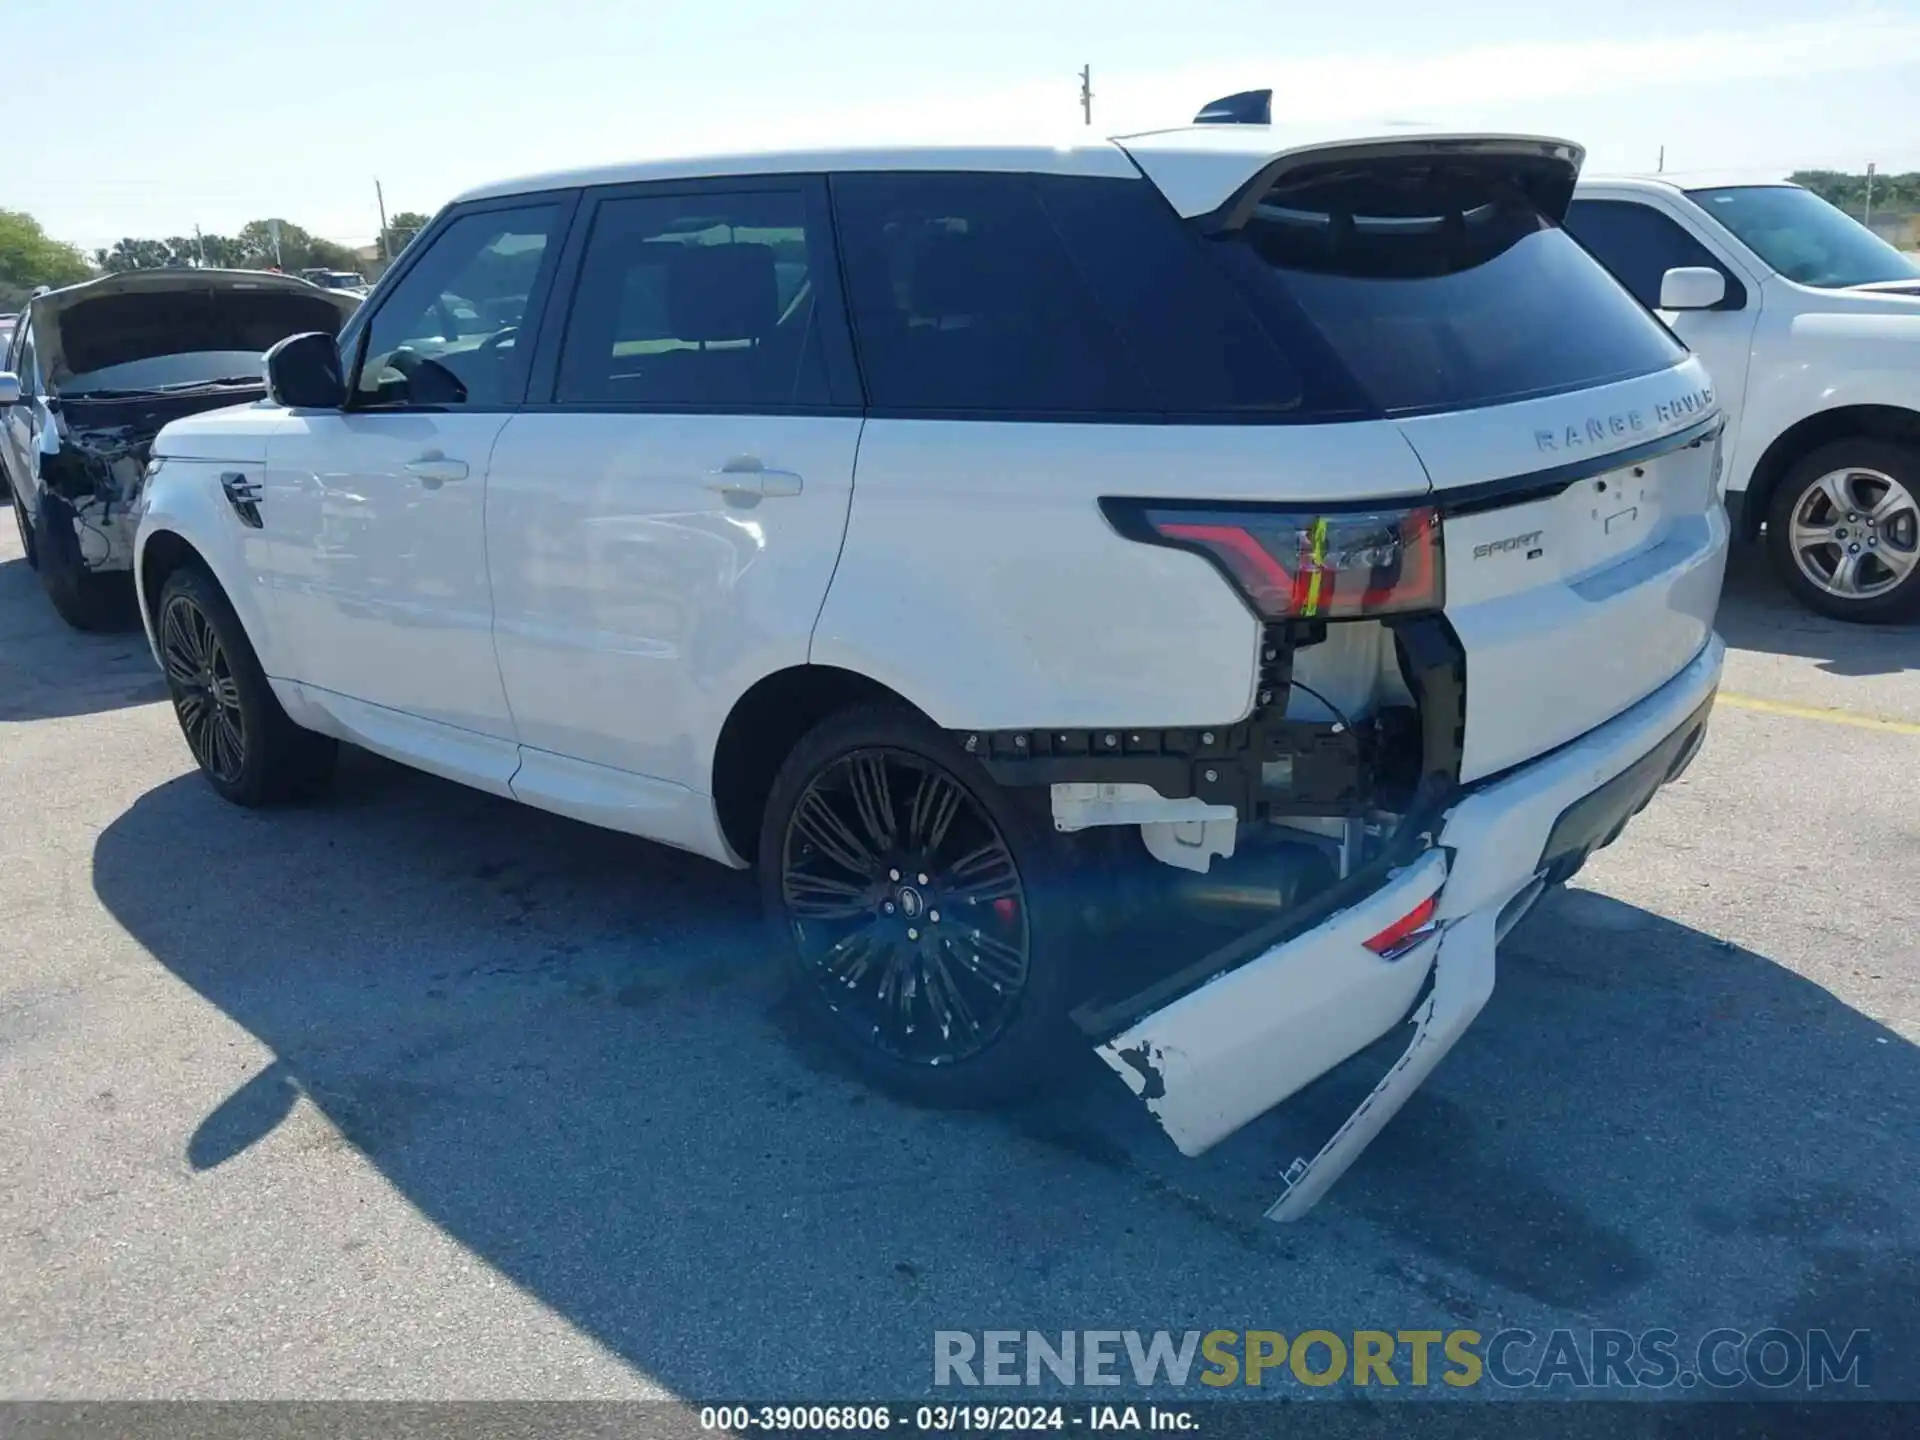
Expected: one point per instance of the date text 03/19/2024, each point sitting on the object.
(943, 1419)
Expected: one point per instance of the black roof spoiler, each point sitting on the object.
(1249, 107)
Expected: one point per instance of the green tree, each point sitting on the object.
(299, 250)
(133, 254)
(30, 258)
(223, 252)
(258, 250)
(401, 228)
(331, 255)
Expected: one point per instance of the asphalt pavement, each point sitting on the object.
(420, 1094)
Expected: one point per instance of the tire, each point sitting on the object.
(844, 923)
(85, 599)
(243, 742)
(1850, 509)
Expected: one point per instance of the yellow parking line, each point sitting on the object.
(1815, 712)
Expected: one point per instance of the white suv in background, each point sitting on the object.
(1809, 325)
(988, 544)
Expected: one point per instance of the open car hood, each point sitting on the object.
(147, 313)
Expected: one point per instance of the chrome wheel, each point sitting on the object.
(906, 905)
(1855, 533)
(206, 697)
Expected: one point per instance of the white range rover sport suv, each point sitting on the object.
(1184, 595)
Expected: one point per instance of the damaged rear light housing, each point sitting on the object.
(1305, 563)
(1406, 932)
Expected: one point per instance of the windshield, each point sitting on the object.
(162, 372)
(1805, 238)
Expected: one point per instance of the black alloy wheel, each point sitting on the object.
(206, 694)
(907, 906)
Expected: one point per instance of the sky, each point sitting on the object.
(141, 119)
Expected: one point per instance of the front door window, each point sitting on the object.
(449, 334)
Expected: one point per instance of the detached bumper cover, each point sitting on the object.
(1223, 1054)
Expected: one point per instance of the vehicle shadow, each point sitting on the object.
(1758, 613)
(564, 1047)
(49, 670)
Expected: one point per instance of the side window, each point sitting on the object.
(964, 299)
(449, 332)
(1639, 245)
(699, 301)
(1198, 345)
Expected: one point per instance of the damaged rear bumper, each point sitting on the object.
(1232, 1049)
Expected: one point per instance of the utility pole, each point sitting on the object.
(1869, 216)
(200, 244)
(1086, 92)
(381, 200)
(1663, 161)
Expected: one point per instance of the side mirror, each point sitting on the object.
(303, 373)
(1692, 287)
(9, 389)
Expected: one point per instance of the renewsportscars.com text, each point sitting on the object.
(1656, 1359)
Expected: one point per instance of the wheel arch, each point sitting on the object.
(1804, 436)
(762, 728)
(161, 553)
(158, 555)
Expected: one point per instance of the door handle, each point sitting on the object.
(747, 476)
(435, 470)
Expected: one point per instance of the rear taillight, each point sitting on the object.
(1311, 565)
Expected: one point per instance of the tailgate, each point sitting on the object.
(1569, 440)
(1585, 542)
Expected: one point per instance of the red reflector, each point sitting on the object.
(1395, 935)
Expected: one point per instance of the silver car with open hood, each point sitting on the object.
(93, 372)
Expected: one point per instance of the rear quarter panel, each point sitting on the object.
(980, 580)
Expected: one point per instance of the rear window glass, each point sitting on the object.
(1011, 295)
(1441, 287)
(964, 300)
(1196, 342)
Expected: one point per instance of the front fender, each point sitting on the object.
(184, 503)
(1817, 363)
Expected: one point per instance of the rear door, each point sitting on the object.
(664, 516)
(1571, 443)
